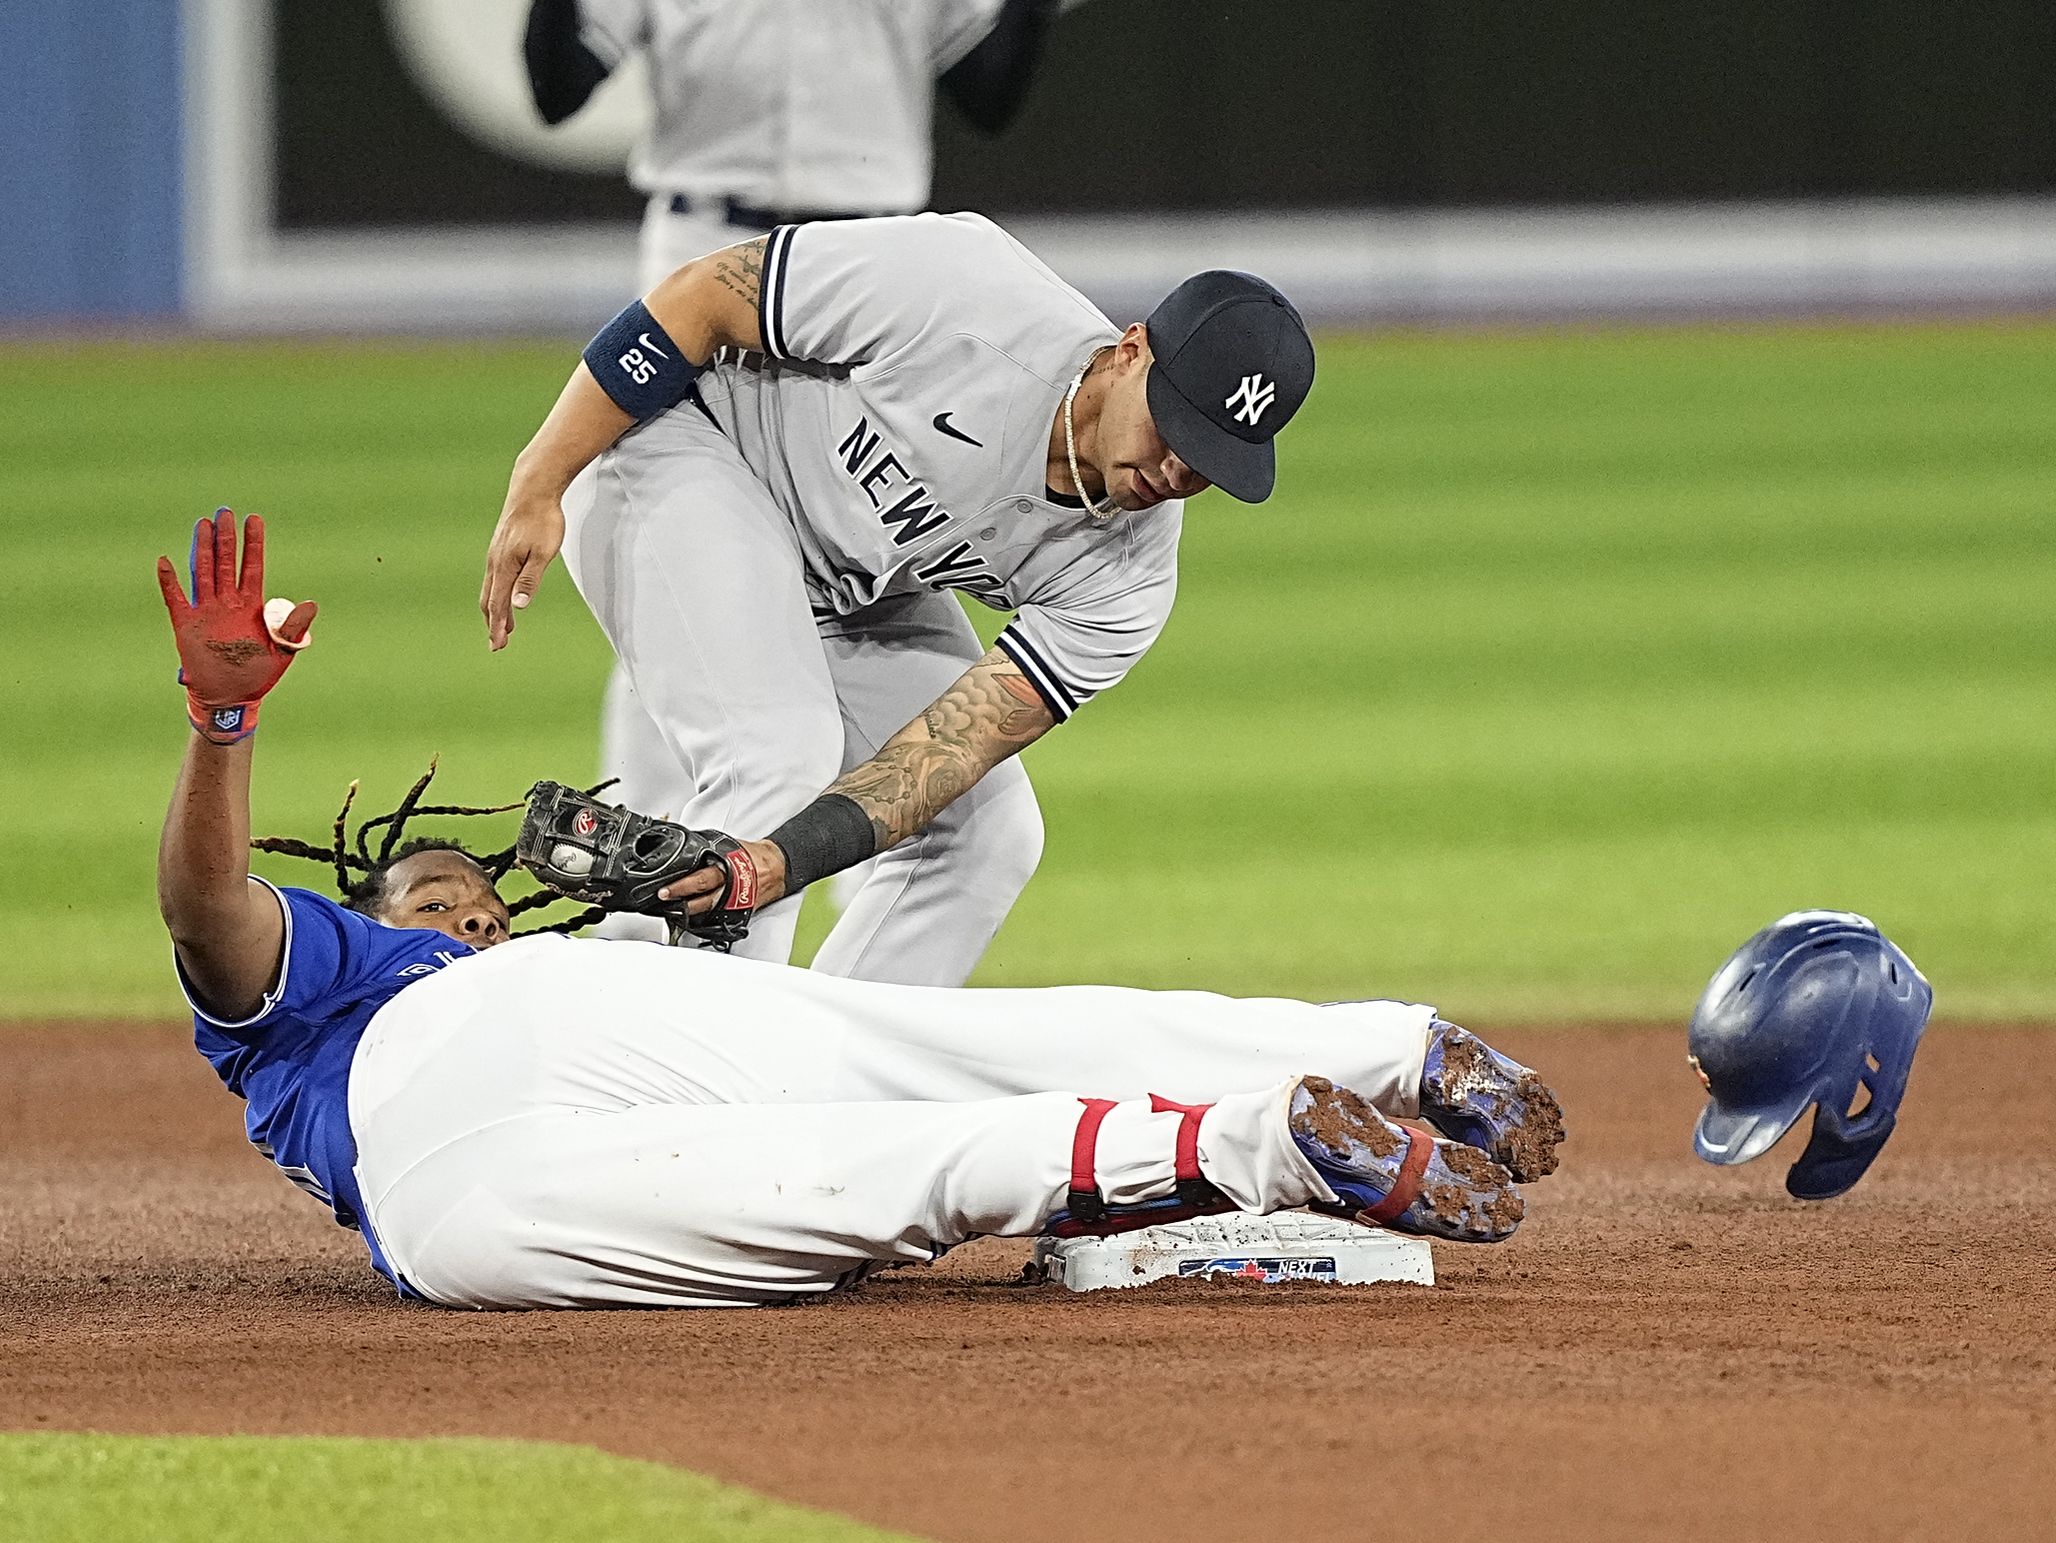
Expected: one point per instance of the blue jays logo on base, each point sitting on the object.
(1267, 1272)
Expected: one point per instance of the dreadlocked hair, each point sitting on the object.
(361, 878)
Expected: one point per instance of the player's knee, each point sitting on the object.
(761, 778)
(797, 769)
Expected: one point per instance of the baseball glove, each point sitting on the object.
(617, 859)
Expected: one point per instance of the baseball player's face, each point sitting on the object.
(447, 892)
(1141, 471)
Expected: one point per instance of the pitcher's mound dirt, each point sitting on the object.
(1663, 1351)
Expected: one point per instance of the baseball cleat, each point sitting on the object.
(1385, 1175)
(1473, 1094)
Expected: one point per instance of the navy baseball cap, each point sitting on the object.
(1232, 364)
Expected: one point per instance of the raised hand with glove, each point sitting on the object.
(232, 647)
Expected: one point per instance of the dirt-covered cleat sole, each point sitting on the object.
(1386, 1175)
(1473, 1094)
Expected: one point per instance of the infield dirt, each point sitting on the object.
(1664, 1350)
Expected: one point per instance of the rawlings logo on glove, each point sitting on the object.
(617, 859)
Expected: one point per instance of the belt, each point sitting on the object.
(735, 212)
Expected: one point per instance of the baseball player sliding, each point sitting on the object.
(550, 1122)
(768, 477)
(769, 113)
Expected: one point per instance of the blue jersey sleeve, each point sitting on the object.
(313, 959)
(330, 955)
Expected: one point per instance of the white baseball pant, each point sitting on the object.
(567, 1123)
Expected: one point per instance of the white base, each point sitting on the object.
(1259, 1250)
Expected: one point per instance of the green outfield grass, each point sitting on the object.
(105, 1489)
(1559, 663)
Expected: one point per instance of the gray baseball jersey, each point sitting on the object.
(901, 419)
(789, 104)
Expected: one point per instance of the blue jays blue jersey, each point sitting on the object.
(290, 1060)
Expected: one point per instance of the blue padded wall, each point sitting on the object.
(90, 202)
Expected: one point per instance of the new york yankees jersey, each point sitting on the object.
(789, 104)
(901, 415)
(290, 1060)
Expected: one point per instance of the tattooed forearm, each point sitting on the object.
(989, 714)
(740, 270)
(903, 787)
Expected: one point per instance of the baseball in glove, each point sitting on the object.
(617, 859)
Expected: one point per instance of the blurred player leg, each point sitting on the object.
(635, 756)
(928, 908)
(669, 241)
(738, 1205)
(694, 575)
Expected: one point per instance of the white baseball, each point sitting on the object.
(568, 859)
(275, 613)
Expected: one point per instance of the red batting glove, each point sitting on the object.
(228, 656)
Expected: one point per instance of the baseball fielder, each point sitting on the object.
(768, 113)
(776, 112)
(768, 477)
(554, 1122)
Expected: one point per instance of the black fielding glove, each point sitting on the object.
(617, 859)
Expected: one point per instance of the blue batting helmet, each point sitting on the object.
(1818, 1008)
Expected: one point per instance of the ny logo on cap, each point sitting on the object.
(1255, 395)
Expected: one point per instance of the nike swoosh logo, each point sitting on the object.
(943, 424)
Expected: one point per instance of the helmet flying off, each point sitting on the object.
(1819, 1008)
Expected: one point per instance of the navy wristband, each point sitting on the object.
(638, 365)
(830, 834)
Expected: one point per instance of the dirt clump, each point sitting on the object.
(1530, 1117)
(1340, 1119)
(1472, 1166)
